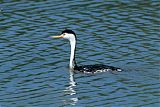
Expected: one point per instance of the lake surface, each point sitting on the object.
(34, 68)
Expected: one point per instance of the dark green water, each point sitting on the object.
(34, 68)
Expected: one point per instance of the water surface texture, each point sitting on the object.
(34, 68)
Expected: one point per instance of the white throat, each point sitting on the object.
(72, 56)
(72, 39)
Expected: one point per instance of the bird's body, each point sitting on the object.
(71, 36)
(97, 68)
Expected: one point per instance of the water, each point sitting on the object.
(34, 68)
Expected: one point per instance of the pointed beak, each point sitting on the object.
(59, 36)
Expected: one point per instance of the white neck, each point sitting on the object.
(73, 46)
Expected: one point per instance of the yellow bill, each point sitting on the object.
(59, 36)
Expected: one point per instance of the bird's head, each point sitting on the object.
(66, 34)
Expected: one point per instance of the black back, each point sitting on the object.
(96, 68)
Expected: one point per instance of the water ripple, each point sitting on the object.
(34, 67)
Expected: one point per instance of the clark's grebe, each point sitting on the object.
(71, 36)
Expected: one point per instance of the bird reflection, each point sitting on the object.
(70, 90)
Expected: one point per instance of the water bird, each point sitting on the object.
(71, 36)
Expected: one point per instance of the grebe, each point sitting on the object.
(71, 36)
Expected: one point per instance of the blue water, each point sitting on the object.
(34, 68)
